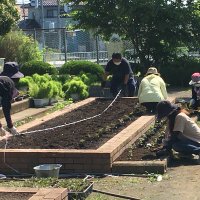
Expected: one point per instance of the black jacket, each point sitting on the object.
(7, 88)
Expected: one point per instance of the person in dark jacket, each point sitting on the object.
(122, 76)
(8, 91)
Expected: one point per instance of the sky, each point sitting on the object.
(22, 1)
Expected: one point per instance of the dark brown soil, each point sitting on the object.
(89, 134)
(15, 196)
(146, 146)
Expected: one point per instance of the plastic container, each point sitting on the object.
(47, 170)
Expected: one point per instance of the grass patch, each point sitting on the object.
(73, 185)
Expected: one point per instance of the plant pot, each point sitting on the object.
(39, 103)
(23, 88)
(80, 195)
(75, 96)
(52, 101)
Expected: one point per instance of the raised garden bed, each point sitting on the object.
(89, 134)
(15, 196)
(100, 160)
(145, 147)
(77, 188)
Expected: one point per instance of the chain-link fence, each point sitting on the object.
(61, 45)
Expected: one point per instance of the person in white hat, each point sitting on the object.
(8, 91)
(195, 83)
(152, 90)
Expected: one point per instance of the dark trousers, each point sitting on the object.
(150, 106)
(6, 107)
(185, 145)
(116, 86)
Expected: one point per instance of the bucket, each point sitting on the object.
(47, 170)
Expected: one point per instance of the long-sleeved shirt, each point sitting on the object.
(7, 89)
(152, 89)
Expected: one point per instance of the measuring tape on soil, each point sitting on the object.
(72, 123)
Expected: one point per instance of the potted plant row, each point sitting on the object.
(43, 89)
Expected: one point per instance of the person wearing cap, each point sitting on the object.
(8, 91)
(152, 90)
(183, 134)
(195, 83)
(122, 76)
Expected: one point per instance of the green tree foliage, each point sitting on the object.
(8, 15)
(155, 27)
(16, 46)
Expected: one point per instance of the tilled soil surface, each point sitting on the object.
(89, 134)
(146, 146)
(15, 196)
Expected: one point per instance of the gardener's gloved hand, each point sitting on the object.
(103, 84)
(13, 131)
(124, 90)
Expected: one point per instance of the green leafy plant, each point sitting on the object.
(25, 82)
(44, 87)
(76, 86)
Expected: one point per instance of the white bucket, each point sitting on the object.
(47, 170)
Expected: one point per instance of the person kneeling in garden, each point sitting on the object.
(8, 78)
(183, 134)
(152, 90)
(122, 76)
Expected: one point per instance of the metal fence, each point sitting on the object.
(61, 45)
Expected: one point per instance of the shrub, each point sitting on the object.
(178, 72)
(75, 67)
(39, 67)
(16, 46)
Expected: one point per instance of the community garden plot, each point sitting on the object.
(90, 146)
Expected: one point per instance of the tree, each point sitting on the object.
(8, 15)
(155, 27)
(16, 46)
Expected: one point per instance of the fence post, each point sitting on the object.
(97, 48)
(65, 44)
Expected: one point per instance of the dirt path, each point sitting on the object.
(181, 182)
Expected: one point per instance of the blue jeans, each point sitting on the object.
(185, 145)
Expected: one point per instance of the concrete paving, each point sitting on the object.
(30, 112)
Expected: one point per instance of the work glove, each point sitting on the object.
(13, 131)
(124, 90)
(103, 84)
(2, 132)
